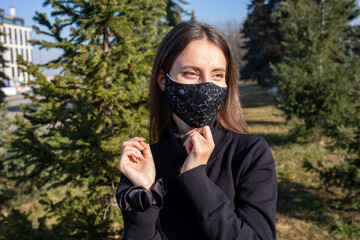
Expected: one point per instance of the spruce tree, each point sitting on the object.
(4, 128)
(193, 17)
(344, 131)
(5, 192)
(345, 134)
(262, 41)
(174, 11)
(2, 66)
(317, 70)
(71, 133)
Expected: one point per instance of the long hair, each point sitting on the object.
(230, 114)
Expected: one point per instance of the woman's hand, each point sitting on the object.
(136, 162)
(199, 145)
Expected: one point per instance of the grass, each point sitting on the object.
(305, 210)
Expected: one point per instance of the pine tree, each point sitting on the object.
(317, 71)
(71, 133)
(2, 65)
(174, 11)
(262, 42)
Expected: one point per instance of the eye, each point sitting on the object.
(218, 76)
(190, 74)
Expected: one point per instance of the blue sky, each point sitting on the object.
(208, 11)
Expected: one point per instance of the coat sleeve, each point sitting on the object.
(137, 224)
(255, 199)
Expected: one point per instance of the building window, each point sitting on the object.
(10, 38)
(16, 50)
(13, 72)
(15, 36)
(4, 35)
(26, 38)
(22, 53)
(11, 56)
(27, 55)
(21, 40)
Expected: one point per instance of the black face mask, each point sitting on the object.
(196, 104)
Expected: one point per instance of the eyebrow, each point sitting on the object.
(196, 68)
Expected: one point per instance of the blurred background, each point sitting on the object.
(74, 85)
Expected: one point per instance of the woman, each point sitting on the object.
(204, 178)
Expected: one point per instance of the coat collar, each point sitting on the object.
(173, 136)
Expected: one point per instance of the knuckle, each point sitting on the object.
(201, 150)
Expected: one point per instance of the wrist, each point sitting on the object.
(149, 184)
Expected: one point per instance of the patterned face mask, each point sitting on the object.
(196, 104)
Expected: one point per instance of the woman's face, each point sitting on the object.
(201, 61)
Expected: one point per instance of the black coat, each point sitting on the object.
(233, 196)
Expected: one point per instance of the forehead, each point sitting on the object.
(202, 52)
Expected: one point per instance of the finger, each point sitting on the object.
(136, 144)
(133, 159)
(206, 132)
(132, 143)
(126, 160)
(139, 139)
(200, 144)
(129, 150)
(146, 149)
(196, 136)
(144, 145)
(196, 141)
(188, 144)
(189, 147)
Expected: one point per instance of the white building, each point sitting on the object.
(16, 43)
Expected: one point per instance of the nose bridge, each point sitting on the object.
(205, 77)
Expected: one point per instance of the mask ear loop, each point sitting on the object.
(170, 77)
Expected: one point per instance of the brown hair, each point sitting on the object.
(230, 114)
